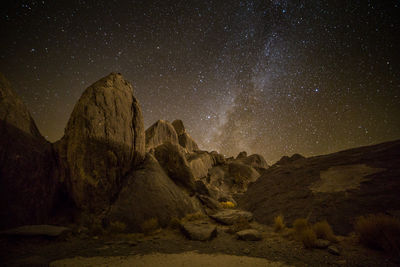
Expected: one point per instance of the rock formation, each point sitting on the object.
(336, 187)
(159, 133)
(185, 140)
(173, 160)
(149, 193)
(28, 185)
(103, 141)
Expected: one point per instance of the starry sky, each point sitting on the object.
(273, 77)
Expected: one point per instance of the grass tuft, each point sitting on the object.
(324, 231)
(227, 204)
(279, 223)
(379, 231)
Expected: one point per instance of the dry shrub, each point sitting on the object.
(96, 229)
(308, 237)
(279, 223)
(227, 204)
(300, 224)
(116, 227)
(194, 216)
(241, 224)
(379, 231)
(150, 226)
(324, 231)
(174, 223)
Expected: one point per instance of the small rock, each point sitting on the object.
(322, 244)
(199, 231)
(249, 235)
(232, 216)
(333, 250)
(246, 251)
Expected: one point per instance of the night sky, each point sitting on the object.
(269, 77)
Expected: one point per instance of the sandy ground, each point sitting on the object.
(189, 259)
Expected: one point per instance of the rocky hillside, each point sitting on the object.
(107, 168)
(337, 187)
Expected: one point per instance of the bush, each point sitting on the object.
(324, 231)
(279, 224)
(379, 231)
(150, 226)
(308, 237)
(300, 224)
(194, 216)
(227, 204)
(117, 227)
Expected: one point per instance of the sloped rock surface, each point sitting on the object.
(200, 162)
(200, 230)
(103, 141)
(185, 140)
(28, 165)
(337, 187)
(159, 133)
(231, 216)
(173, 160)
(150, 193)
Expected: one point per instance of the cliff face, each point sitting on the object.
(104, 139)
(28, 165)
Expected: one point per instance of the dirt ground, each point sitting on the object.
(117, 249)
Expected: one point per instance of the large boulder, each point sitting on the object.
(159, 133)
(199, 231)
(185, 140)
(230, 216)
(103, 141)
(240, 175)
(200, 162)
(28, 187)
(150, 193)
(173, 160)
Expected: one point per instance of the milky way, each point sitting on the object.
(268, 77)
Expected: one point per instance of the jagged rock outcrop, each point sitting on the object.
(173, 160)
(159, 133)
(150, 193)
(103, 141)
(256, 161)
(28, 166)
(185, 140)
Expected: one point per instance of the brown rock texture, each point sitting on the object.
(185, 140)
(103, 141)
(159, 133)
(173, 160)
(336, 187)
(28, 180)
(149, 193)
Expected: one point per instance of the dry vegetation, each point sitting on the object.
(116, 227)
(227, 204)
(194, 217)
(279, 223)
(304, 232)
(150, 226)
(324, 231)
(379, 231)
